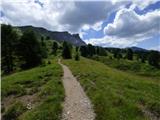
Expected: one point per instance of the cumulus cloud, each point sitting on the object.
(30, 13)
(129, 28)
(107, 41)
(128, 23)
(141, 5)
(138, 3)
(58, 15)
(90, 13)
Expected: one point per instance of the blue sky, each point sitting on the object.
(104, 23)
(152, 43)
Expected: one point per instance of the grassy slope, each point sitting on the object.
(143, 69)
(45, 83)
(116, 94)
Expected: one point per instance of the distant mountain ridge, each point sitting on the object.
(58, 36)
(138, 49)
(133, 48)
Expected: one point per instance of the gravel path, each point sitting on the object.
(77, 106)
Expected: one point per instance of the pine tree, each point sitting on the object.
(29, 50)
(8, 43)
(77, 56)
(129, 54)
(154, 58)
(54, 48)
(66, 52)
(43, 48)
(84, 51)
(91, 50)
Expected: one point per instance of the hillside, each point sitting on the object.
(116, 94)
(138, 49)
(58, 36)
(107, 83)
(33, 94)
(134, 66)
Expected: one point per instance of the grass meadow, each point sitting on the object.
(34, 94)
(117, 94)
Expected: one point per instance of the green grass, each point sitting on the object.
(117, 95)
(45, 83)
(134, 66)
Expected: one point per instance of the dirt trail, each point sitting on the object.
(77, 106)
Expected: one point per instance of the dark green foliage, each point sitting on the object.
(43, 48)
(8, 43)
(77, 56)
(154, 58)
(54, 48)
(119, 56)
(101, 51)
(77, 49)
(129, 54)
(91, 50)
(67, 50)
(49, 62)
(42, 41)
(14, 111)
(84, 51)
(23, 51)
(117, 53)
(142, 56)
(47, 38)
(29, 50)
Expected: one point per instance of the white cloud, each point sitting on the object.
(129, 28)
(57, 15)
(157, 47)
(129, 23)
(143, 4)
(97, 26)
(31, 13)
(108, 41)
(139, 3)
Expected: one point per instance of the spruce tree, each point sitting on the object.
(129, 54)
(54, 48)
(84, 51)
(154, 58)
(77, 56)
(8, 44)
(66, 52)
(29, 50)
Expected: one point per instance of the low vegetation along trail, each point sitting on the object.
(77, 106)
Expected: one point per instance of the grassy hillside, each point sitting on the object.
(116, 94)
(34, 94)
(134, 66)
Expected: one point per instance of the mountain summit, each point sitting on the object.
(58, 36)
